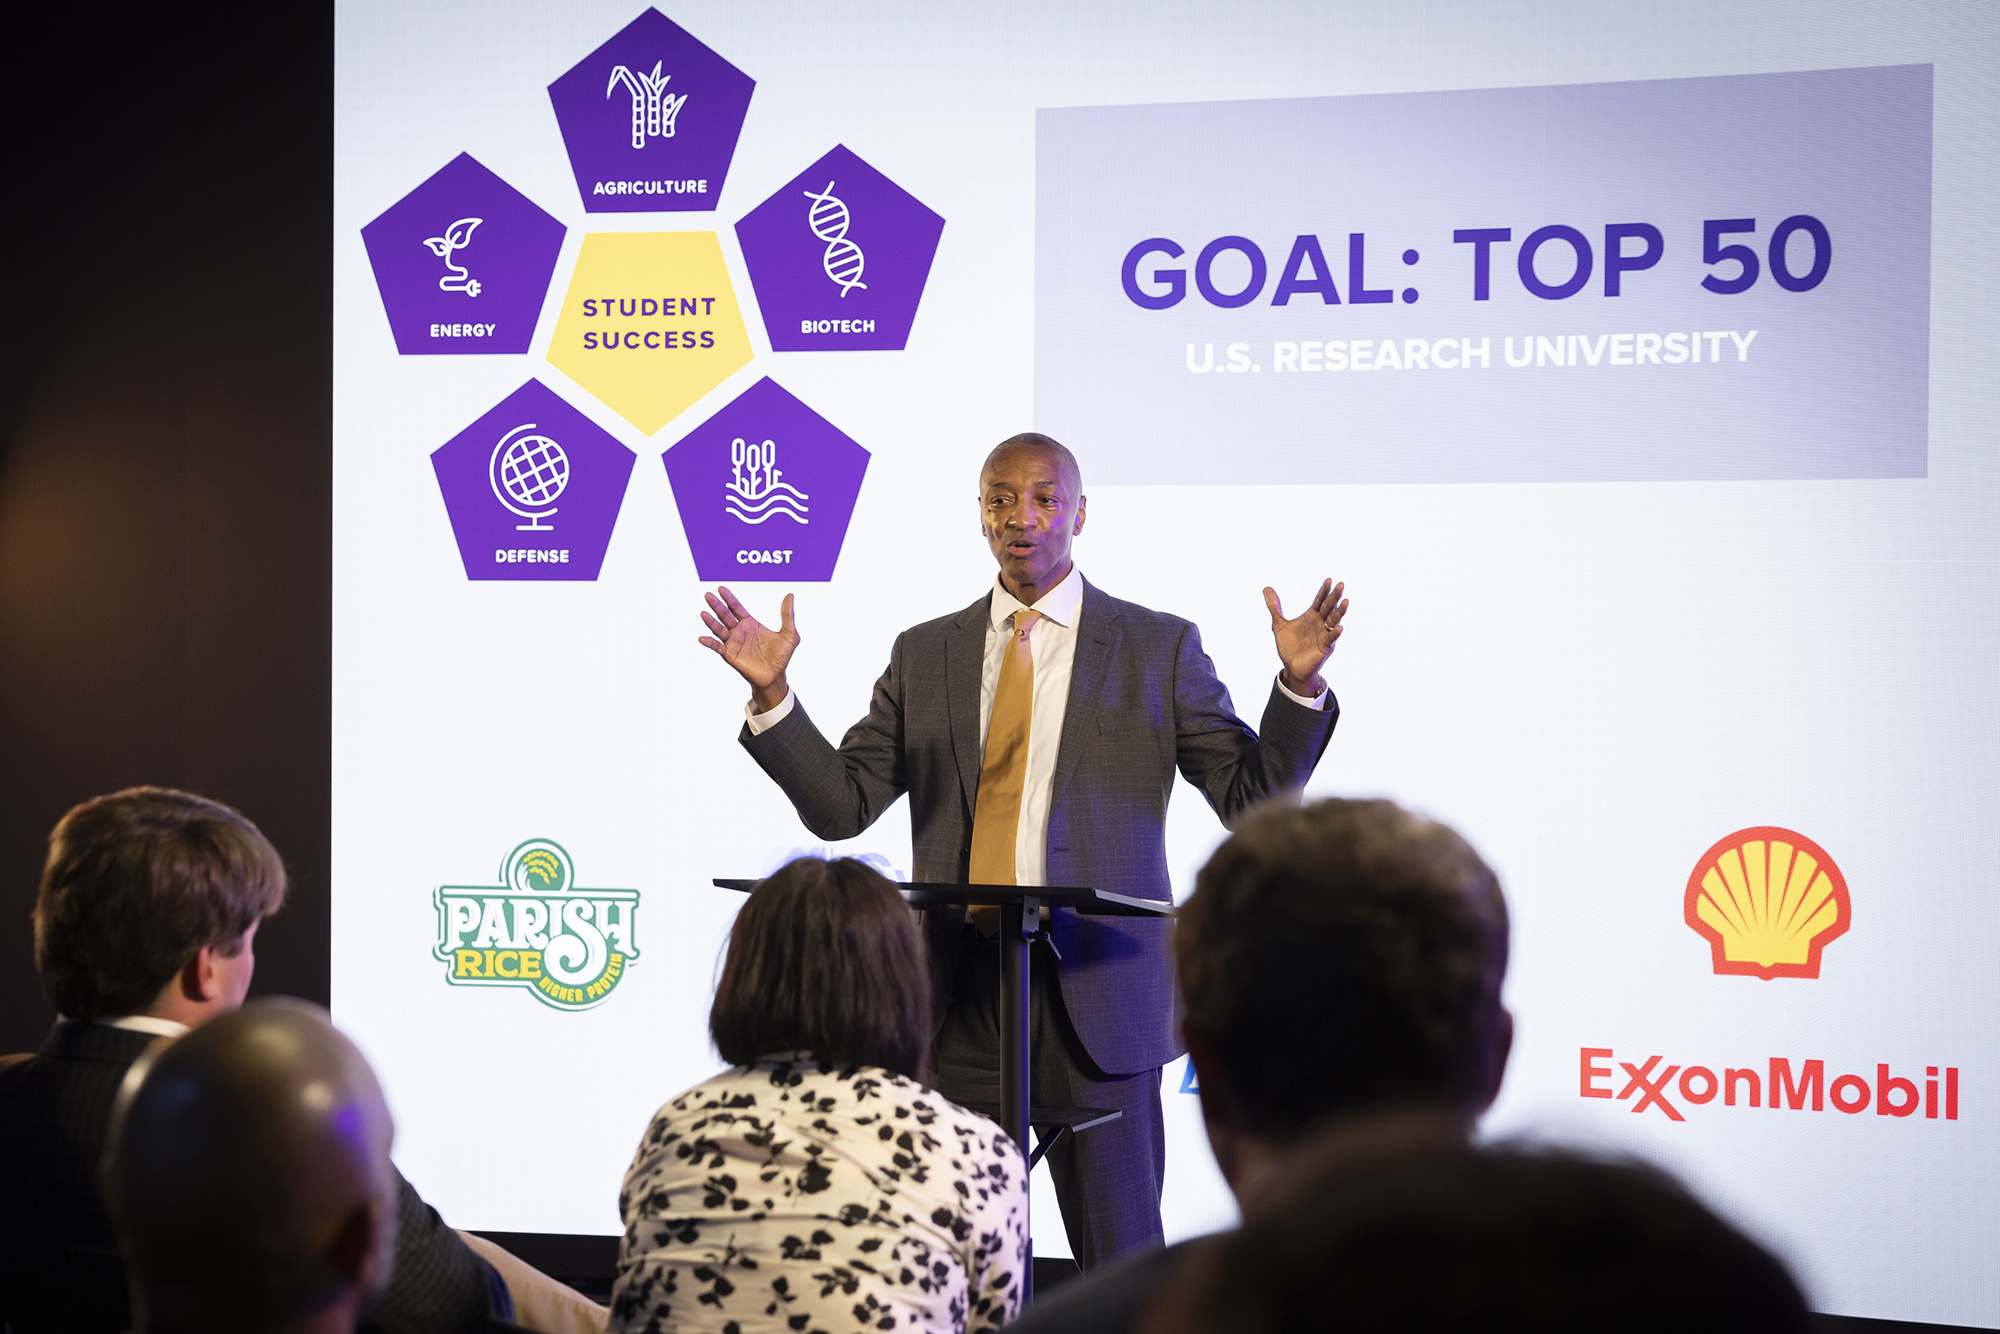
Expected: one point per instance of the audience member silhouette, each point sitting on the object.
(1404, 1226)
(818, 1184)
(144, 928)
(1336, 959)
(1340, 965)
(248, 1178)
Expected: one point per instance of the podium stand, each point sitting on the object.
(1024, 916)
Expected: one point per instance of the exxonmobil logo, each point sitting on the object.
(1776, 1085)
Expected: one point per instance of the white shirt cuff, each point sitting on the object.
(1316, 702)
(764, 722)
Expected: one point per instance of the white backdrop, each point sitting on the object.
(1593, 681)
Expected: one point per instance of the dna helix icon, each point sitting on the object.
(754, 494)
(653, 111)
(828, 217)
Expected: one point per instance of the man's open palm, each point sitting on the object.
(757, 652)
(1306, 641)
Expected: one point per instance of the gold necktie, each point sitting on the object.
(1003, 771)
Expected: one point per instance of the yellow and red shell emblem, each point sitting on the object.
(1768, 900)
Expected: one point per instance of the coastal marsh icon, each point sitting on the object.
(634, 143)
(775, 521)
(839, 256)
(456, 238)
(537, 930)
(529, 474)
(755, 492)
(654, 109)
(532, 457)
(828, 219)
(487, 305)
(1767, 900)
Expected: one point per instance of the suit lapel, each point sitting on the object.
(1096, 644)
(964, 661)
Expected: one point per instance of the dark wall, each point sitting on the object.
(165, 442)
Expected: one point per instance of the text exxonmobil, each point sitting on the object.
(1776, 1085)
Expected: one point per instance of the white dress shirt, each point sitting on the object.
(1053, 644)
(145, 1023)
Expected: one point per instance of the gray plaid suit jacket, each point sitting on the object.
(1144, 701)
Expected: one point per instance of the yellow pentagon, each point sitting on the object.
(650, 323)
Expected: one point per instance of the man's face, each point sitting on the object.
(1030, 512)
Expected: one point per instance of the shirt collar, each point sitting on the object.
(1060, 604)
(146, 1023)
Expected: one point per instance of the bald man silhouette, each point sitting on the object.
(248, 1177)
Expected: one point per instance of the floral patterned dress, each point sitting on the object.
(796, 1197)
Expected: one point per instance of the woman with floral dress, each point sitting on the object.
(818, 1187)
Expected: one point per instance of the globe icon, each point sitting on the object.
(529, 473)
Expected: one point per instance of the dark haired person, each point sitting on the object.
(818, 1185)
(1336, 960)
(1037, 733)
(144, 923)
(270, 1093)
(1397, 1227)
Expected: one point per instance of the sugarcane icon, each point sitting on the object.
(828, 217)
(456, 237)
(653, 111)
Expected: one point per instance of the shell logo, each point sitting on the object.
(1767, 900)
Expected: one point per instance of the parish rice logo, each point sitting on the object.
(1767, 900)
(538, 930)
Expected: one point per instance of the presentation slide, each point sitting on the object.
(1632, 366)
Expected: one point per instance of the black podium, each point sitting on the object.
(1024, 913)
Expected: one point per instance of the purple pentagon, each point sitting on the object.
(463, 263)
(650, 120)
(839, 257)
(533, 489)
(765, 488)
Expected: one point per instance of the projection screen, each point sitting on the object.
(1631, 364)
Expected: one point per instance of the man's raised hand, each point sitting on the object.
(757, 652)
(1305, 641)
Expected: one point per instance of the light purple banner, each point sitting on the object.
(1721, 278)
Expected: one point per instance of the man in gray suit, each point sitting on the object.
(1092, 704)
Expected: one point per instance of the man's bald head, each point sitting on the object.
(248, 1174)
(1072, 476)
(1031, 507)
